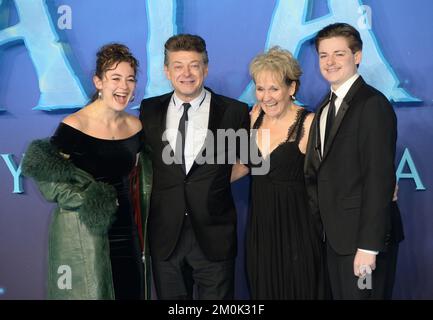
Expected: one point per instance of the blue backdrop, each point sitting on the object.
(47, 55)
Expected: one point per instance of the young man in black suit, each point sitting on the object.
(350, 173)
(192, 219)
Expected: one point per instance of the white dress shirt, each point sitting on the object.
(340, 93)
(197, 125)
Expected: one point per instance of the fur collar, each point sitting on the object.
(43, 162)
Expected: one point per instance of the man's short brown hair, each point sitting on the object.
(185, 42)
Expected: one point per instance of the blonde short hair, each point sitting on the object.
(280, 62)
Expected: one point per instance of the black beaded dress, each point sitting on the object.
(284, 255)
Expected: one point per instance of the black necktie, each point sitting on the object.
(330, 117)
(181, 135)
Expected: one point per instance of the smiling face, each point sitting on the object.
(337, 61)
(273, 94)
(186, 70)
(117, 85)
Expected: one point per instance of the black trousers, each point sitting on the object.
(346, 286)
(188, 268)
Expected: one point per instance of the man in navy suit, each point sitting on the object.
(350, 173)
(192, 219)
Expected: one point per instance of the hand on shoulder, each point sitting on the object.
(254, 113)
(255, 110)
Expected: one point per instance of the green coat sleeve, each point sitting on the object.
(66, 195)
(95, 202)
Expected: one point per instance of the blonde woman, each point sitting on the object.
(284, 251)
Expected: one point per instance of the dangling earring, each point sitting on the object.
(132, 98)
(293, 97)
(99, 95)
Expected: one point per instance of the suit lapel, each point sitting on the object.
(164, 102)
(337, 122)
(316, 133)
(340, 115)
(216, 112)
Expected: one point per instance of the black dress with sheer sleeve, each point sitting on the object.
(284, 253)
(111, 161)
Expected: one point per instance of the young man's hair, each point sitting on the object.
(185, 42)
(340, 30)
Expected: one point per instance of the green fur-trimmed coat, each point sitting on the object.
(79, 264)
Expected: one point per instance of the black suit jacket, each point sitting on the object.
(351, 186)
(204, 193)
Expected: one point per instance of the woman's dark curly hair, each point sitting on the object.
(109, 56)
